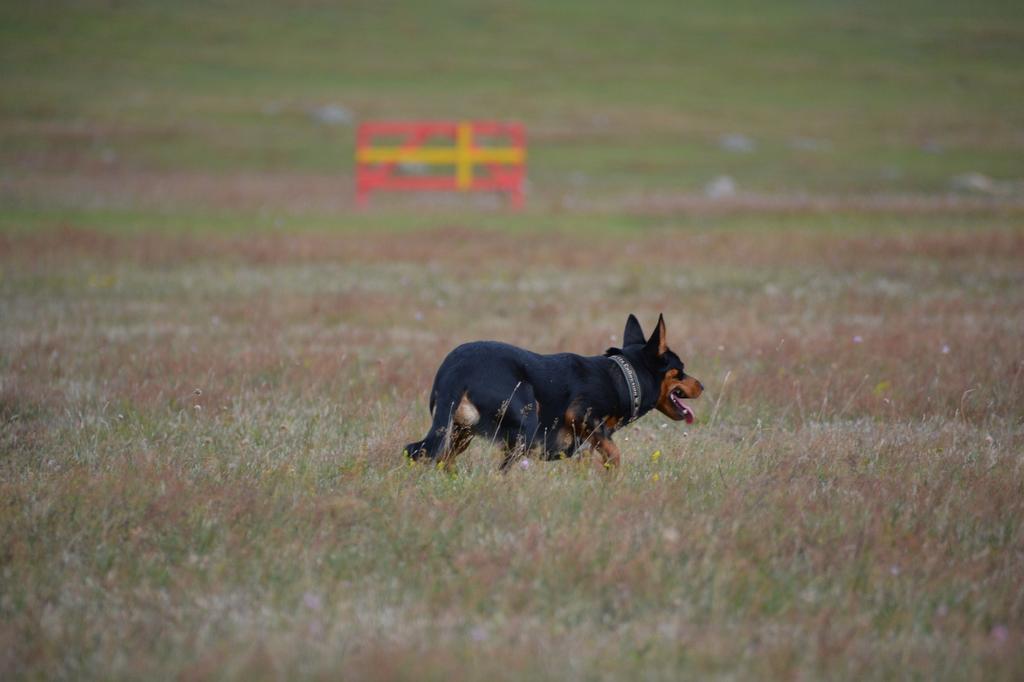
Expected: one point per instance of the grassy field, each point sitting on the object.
(201, 471)
(209, 362)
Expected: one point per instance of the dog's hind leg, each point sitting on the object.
(518, 426)
(450, 433)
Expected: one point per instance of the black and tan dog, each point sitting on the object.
(559, 404)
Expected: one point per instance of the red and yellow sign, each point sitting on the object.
(498, 149)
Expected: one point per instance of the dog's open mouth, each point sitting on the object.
(677, 401)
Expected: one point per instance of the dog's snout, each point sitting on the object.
(692, 387)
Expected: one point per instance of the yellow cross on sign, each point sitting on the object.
(464, 155)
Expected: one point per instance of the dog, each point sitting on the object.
(558, 404)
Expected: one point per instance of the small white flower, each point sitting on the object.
(524, 464)
(312, 601)
(945, 349)
(858, 339)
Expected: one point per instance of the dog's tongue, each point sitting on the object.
(684, 409)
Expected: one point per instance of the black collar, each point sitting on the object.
(632, 383)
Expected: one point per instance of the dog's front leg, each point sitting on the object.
(609, 452)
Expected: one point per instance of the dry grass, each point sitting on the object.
(200, 471)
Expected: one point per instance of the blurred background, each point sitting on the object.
(246, 112)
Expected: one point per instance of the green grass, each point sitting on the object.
(28, 218)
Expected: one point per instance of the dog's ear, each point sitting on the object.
(657, 345)
(633, 334)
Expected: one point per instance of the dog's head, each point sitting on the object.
(668, 370)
